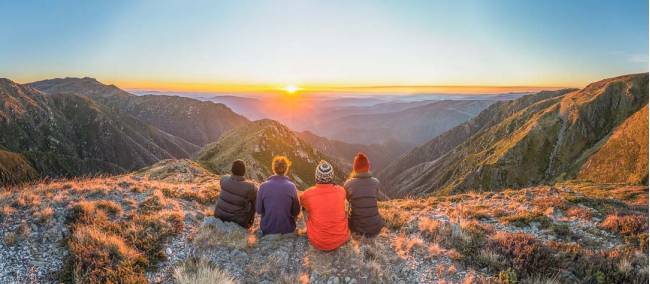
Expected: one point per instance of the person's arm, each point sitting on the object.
(302, 207)
(295, 204)
(259, 203)
(252, 195)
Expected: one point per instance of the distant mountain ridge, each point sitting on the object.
(414, 125)
(79, 126)
(257, 143)
(70, 135)
(198, 122)
(379, 154)
(541, 138)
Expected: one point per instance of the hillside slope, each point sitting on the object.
(70, 135)
(257, 143)
(196, 121)
(15, 168)
(540, 143)
(623, 157)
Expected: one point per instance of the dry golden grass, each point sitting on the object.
(7, 211)
(43, 215)
(200, 272)
(394, 218)
(405, 245)
(27, 199)
(209, 237)
(98, 257)
(626, 225)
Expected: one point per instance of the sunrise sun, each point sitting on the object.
(291, 89)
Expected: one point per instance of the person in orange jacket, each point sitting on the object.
(325, 215)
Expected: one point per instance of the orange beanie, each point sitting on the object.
(361, 163)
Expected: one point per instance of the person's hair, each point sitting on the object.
(280, 165)
(238, 168)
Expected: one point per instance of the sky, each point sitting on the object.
(336, 45)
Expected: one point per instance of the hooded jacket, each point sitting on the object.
(236, 201)
(361, 191)
(277, 202)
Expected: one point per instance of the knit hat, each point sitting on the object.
(324, 173)
(361, 163)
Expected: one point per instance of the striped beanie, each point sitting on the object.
(324, 173)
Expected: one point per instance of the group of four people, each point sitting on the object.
(329, 209)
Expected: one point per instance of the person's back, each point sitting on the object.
(362, 189)
(326, 219)
(237, 197)
(277, 201)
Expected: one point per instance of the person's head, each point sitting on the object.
(361, 163)
(238, 168)
(324, 173)
(280, 165)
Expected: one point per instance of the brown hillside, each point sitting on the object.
(624, 156)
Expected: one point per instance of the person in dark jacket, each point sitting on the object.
(361, 192)
(277, 200)
(237, 198)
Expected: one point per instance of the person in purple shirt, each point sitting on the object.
(277, 200)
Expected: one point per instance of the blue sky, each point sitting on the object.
(347, 43)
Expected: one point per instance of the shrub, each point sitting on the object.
(522, 252)
(523, 219)
(579, 212)
(625, 225)
(508, 276)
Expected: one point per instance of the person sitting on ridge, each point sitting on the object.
(237, 197)
(324, 203)
(277, 200)
(362, 190)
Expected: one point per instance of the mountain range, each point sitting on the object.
(75, 127)
(540, 138)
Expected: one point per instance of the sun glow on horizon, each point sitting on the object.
(291, 89)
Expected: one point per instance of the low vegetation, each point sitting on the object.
(121, 230)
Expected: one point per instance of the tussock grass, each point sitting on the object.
(210, 237)
(201, 271)
(98, 257)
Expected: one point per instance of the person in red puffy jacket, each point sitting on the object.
(324, 204)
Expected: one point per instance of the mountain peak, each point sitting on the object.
(85, 86)
(257, 143)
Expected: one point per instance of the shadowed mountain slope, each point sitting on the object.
(70, 135)
(623, 157)
(196, 121)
